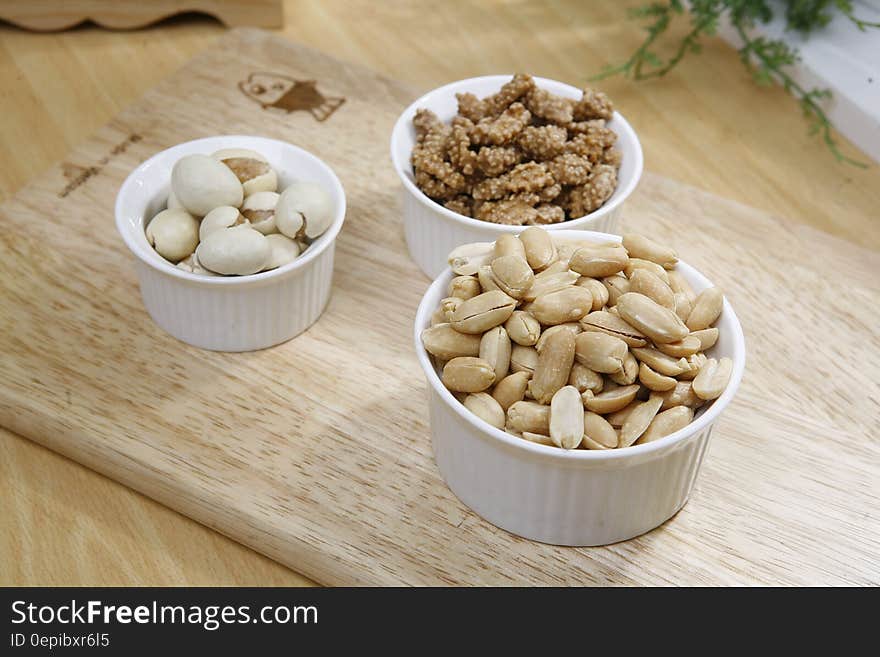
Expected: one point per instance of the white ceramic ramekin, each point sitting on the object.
(235, 313)
(432, 231)
(578, 497)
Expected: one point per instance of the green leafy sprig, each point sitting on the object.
(766, 59)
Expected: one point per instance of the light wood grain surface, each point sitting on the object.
(59, 88)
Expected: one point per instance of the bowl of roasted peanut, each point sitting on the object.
(491, 155)
(234, 239)
(574, 378)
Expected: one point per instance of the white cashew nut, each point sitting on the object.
(173, 203)
(173, 233)
(251, 168)
(283, 250)
(259, 210)
(238, 250)
(304, 208)
(202, 183)
(192, 265)
(220, 218)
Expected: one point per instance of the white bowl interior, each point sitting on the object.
(145, 193)
(443, 103)
(731, 343)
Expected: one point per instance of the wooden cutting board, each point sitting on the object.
(317, 452)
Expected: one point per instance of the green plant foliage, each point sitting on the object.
(766, 59)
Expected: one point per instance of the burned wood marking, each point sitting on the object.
(289, 95)
(77, 175)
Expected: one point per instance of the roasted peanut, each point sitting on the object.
(598, 291)
(485, 407)
(556, 267)
(495, 349)
(573, 327)
(617, 418)
(446, 343)
(707, 308)
(598, 433)
(610, 385)
(616, 286)
(511, 389)
(667, 422)
(566, 305)
(681, 395)
(553, 367)
(523, 359)
(658, 323)
(523, 328)
(603, 321)
(529, 416)
(482, 312)
(682, 305)
(466, 260)
(539, 247)
(506, 245)
(513, 275)
(467, 374)
(600, 352)
(634, 264)
(660, 362)
(687, 346)
(598, 261)
(449, 305)
(713, 378)
(487, 279)
(707, 337)
(565, 250)
(539, 438)
(464, 287)
(566, 418)
(628, 373)
(547, 282)
(438, 317)
(679, 285)
(583, 378)
(638, 420)
(644, 248)
(609, 401)
(649, 284)
(654, 381)
(693, 365)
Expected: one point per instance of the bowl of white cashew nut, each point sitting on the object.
(234, 238)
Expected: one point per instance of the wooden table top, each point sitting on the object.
(62, 524)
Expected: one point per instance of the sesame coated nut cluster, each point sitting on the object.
(522, 156)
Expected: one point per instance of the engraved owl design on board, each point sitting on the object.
(288, 94)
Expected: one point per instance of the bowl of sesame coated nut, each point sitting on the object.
(493, 154)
